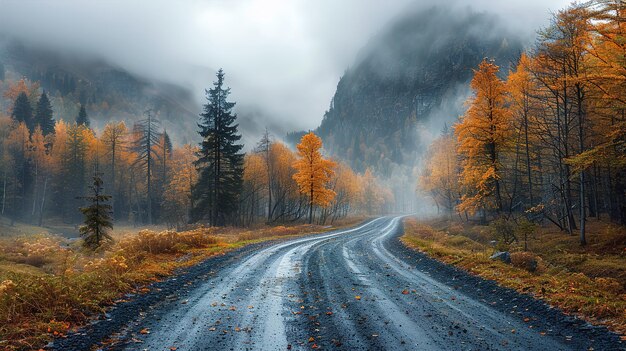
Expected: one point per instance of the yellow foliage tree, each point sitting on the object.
(440, 176)
(483, 133)
(313, 172)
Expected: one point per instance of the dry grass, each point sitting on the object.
(588, 281)
(49, 284)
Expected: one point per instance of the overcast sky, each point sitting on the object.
(283, 59)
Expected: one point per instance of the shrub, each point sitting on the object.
(147, 241)
(525, 260)
(503, 231)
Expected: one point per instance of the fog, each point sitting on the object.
(282, 58)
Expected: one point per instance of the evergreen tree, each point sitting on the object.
(220, 162)
(97, 216)
(82, 118)
(22, 111)
(43, 115)
(1, 71)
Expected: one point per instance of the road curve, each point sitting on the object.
(354, 289)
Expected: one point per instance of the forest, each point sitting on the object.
(47, 161)
(548, 143)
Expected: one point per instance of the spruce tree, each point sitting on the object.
(220, 160)
(22, 111)
(97, 216)
(82, 118)
(43, 115)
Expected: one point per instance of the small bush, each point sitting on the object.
(503, 231)
(525, 260)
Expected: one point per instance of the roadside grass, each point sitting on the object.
(50, 285)
(587, 281)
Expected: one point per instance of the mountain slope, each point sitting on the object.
(108, 92)
(415, 73)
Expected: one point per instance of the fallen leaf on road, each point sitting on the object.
(329, 313)
(212, 329)
(315, 346)
(250, 307)
(358, 297)
(311, 339)
(405, 292)
(232, 308)
(173, 348)
(237, 329)
(144, 331)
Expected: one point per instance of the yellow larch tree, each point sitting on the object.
(482, 134)
(313, 172)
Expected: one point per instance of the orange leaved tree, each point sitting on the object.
(313, 172)
(483, 133)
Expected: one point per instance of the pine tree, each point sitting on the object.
(43, 115)
(1, 71)
(220, 160)
(97, 216)
(82, 118)
(22, 111)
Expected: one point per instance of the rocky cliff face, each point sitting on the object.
(415, 73)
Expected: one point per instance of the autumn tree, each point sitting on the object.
(440, 176)
(40, 164)
(177, 197)
(345, 184)
(483, 133)
(287, 202)
(254, 186)
(220, 159)
(14, 89)
(313, 172)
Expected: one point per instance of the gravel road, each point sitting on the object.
(354, 289)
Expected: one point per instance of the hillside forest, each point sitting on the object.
(548, 143)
